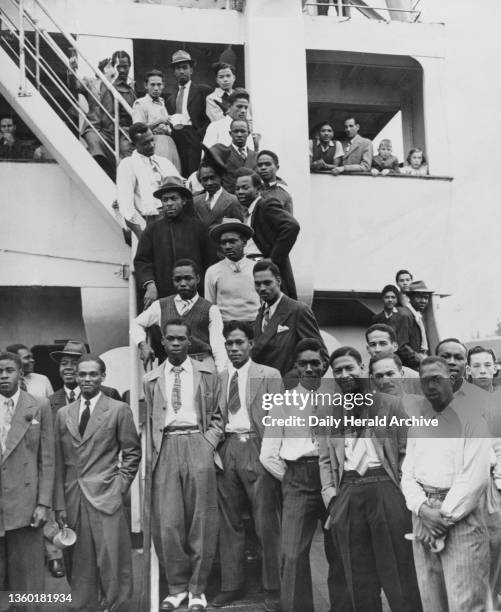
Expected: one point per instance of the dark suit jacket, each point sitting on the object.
(196, 106)
(89, 465)
(27, 474)
(164, 242)
(226, 206)
(232, 161)
(398, 321)
(207, 398)
(389, 444)
(58, 399)
(261, 380)
(410, 340)
(276, 232)
(291, 322)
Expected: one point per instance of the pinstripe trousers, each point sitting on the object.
(456, 579)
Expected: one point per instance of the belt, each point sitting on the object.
(378, 474)
(242, 436)
(434, 492)
(313, 459)
(181, 431)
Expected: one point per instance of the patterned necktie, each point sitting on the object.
(73, 397)
(157, 175)
(233, 395)
(242, 152)
(176, 389)
(6, 422)
(185, 306)
(84, 419)
(179, 100)
(266, 318)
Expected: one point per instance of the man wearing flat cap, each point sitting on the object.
(179, 235)
(415, 345)
(230, 283)
(188, 103)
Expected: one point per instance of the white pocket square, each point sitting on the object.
(282, 328)
(35, 422)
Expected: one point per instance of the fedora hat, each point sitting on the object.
(179, 57)
(231, 225)
(73, 348)
(419, 287)
(173, 183)
(213, 157)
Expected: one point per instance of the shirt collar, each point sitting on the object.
(179, 300)
(273, 307)
(253, 205)
(93, 401)
(244, 370)
(238, 150)
(215, 196)
(157, 101)
(14, 398)
(186, 86)
(68, 391)
(186, 366)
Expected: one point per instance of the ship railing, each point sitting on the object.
(45, 75)
(342, 7)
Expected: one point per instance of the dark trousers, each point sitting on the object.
(243, 478)
(189, 147)
(100, 560)
(302, 509)
(369, 520)
(21, 564)
(184, 511)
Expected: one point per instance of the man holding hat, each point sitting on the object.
(179, 235)
(230, 283)
(188, 104)
(415, 345)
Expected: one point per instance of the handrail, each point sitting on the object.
(340, 4)
(41, 63)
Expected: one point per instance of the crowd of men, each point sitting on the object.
(404, 511)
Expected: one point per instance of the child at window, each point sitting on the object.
(384, 162)
(416, 163)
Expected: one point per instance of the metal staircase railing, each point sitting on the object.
(44, 71)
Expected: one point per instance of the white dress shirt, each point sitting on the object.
(92, 404)
(436, 459)
(187, 415)
(219, 132)
(138, 176)
(38, 385)
(240, 421)
(288, 443)
(148, 110)
(152, 316)
(68, 391)
(360, 455)
(184, 108)
(214, 199)
(251, 247)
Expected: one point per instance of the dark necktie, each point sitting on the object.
(225, 102)
(233, 395)
(266, 318)
(84, 419)
(72, 397)
(176, 389)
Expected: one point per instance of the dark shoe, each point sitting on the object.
(272, 601)
(56, 568)
(224, 598)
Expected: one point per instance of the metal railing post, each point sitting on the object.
(116, 120)
(22, 61)
(37, 58)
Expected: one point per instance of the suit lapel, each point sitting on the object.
(219, 208)
(24, 413)
(255, 374)
(72, 419)
(96, 418)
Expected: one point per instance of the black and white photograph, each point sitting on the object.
(250, 328)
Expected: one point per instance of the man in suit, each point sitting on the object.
(235, 155)
(36, 384)
(91, 481)
(219, 131)
(360, 475)
(290, 453)
(184, 403)
(244, 384)
(26, 488)
(357, 150)
(189, 102)
(415, 344)
(67, 359)
(281, 322)
(275, 230)
(273, 185)
(178, 235)
(210, 207)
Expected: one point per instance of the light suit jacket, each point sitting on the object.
(89, 465)
(27, 465)
(207, 400)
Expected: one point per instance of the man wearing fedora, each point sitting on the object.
(138, 176)
(188, 102)
(97, 457)
(230, 283)
(178, 235)
(415, 343)
(27, 482)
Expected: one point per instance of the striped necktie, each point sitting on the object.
(6, 422)
(176, 389)
(233, 395)
(72, 396)
(242, 152)
(266, 318)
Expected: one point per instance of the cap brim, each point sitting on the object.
(244, 230)
(183, 190)
(213, 157)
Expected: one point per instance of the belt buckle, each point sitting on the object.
(243, 437)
